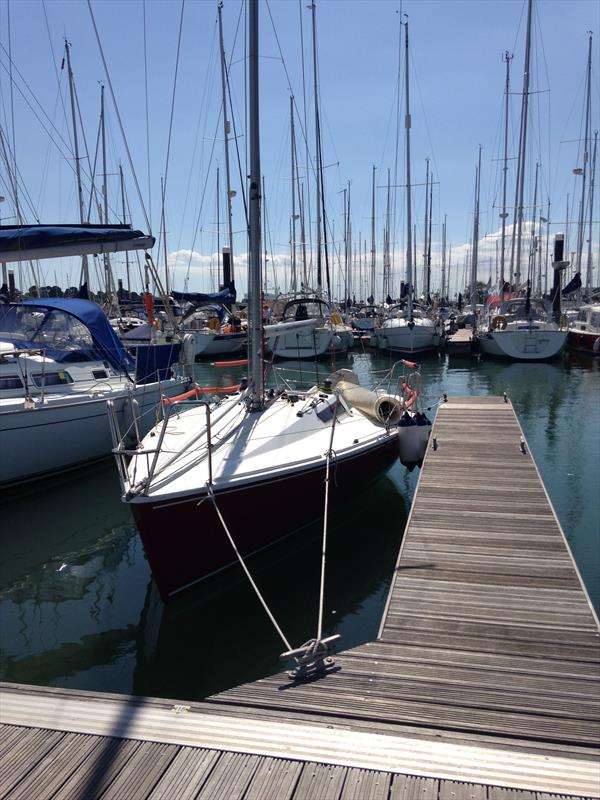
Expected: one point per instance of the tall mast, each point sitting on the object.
(426, 229)
(255, 274)
(349, 248)
(586, 157)
(107, 272)
(226, 130)
(85, 277)
(318, 163)
(507, 58)
(293, 221)
(443, 289)
(588, 274)
(164, 230)
(303, 240)
(532, 249)
(372, 280)
(523, 149)
(124, 221)
(409, 253)
(428, 292)
(386, 253)
(475, 251)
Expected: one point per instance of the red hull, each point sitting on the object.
(584, 341)
(185, 542)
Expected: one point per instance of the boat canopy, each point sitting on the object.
(301, 308)
(24, 242)
(199, 299)
(67, 330)
(516, 307)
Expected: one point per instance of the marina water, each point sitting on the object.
(78, 607)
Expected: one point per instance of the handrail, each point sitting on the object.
(161, 437)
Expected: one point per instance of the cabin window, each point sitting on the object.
(51, 378)
(11, 382)
(595, 319)
(99, 373)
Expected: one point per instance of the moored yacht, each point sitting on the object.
(60, 361)
(323, 334)
(218, 481)
(584, 331)
(522, 330)
(407, 331)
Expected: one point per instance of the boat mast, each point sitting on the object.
(409, 253)
(523, 142)
(107, 270)
(349, 264)
(428, 292)
(255, 275)
(124, 222)
(443, 289)
(533, 245)
(507, 58)
(226, 130)
(318, 164)
(475, 250)
(586, 158)
(372, 292)
(294, 280)
(85, 276)
(426, 227)
(588, 274)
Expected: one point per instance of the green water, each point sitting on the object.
(77, 603)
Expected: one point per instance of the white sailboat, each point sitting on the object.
(523, 328)
(308, 329)
(60, 362)
(254, 464)
(406, 329)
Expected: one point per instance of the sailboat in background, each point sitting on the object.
(60, 362)
(255, 463)
(407, 329)
(522, 328)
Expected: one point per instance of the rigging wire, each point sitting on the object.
(147, 112)
(162, 231)
(12, 116)
(213, 499)
(114, 99)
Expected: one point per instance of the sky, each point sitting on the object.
(173, 128)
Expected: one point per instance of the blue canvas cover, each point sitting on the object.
(57, 333)
(18, 238)
(200, 299)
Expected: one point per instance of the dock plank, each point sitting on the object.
(483, 683)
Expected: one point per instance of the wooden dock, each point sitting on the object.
(484, 681)
(460, 343)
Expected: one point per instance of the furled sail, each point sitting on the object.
(24, 242)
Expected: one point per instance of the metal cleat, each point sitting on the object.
(311, 658)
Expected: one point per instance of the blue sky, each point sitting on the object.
(457, 85)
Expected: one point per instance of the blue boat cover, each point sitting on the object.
(200, 299)
(61, 340)
(15, 238)
(153, 362)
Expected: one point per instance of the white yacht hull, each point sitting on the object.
(524, 344)
(218, 344)
(66, 431)
(305, 343)
(406, 338)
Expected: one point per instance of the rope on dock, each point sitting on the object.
(213, 499)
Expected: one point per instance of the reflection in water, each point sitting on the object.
(218, 635)
(78, 607)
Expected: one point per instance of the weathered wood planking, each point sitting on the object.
(488, 627)
(484, 681)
